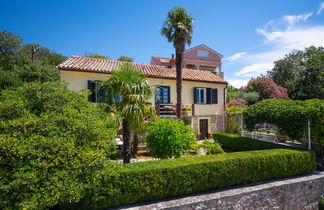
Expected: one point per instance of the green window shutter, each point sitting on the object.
(196, 95)
(208, 96)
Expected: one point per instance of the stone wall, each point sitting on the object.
(294, 193)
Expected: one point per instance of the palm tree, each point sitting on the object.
(128, 95)
(178, 28)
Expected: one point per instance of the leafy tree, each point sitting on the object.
(267, 88)
(178, 28)
(9, 79)
(167, 138)
(231, 93)
(132, 87)
(95, 55)
(302, 73)
(37, 72)
(54, 144)
(9, 47)
(250, 97)
(125, 58)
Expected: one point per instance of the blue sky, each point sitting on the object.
(250, 34)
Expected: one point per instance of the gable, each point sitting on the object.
(202, 52)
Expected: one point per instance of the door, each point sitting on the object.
(203, 128)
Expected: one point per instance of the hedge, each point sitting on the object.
(321, 204)
(240, 143)
(152, 180)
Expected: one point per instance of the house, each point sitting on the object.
(201, 57)
(203, 92)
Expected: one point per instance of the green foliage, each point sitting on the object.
(9, 47)
(53, 145)
(167, 138)
(211, 148)
(240, 143)
(233, 119)
(186, 120)
(95, 55)
(250, 97)
(231, 93)
(37, 72)
(9, 79)
(159, 179)
(302, 73)
(125, 58)
(321, 204)
(290, 116)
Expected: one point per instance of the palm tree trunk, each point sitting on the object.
(126, 141)
(179, 81)
(135, 144)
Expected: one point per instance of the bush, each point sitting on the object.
(53, 145)
(167, 138)
(154, 180)
(321, 204)
(240, 143)
(211, 148)
(9, 79)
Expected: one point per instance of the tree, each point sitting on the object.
(302, 73)
(125, 58)
(54, 144)
(178, 29)
(128, 94)
(267, 88)
(37, 72)
(9, 47)
(9, 79)
(250, 97)
(95, 55)
(231, 93)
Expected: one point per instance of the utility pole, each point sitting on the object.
(33, 53)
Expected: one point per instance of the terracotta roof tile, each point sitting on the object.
(97, 65)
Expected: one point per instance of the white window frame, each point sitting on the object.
(205, 96)
(202, 53)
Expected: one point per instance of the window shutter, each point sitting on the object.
(208, 96)
(92, 88)
(168, 89)
(196, 95)
(214, 96)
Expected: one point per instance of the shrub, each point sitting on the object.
(9, 79)
(153, 180)
(233, 119)
(211, 148)
(240, 143)
(167, 138)
(321, 204)
(53, 145)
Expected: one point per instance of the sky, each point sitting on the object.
(250, 34)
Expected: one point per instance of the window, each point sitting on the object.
(98, 94)
(162, 94)
(205, 95)
(202, 53)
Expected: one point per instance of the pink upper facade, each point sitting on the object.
(200, 57)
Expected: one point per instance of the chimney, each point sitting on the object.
(172, 56)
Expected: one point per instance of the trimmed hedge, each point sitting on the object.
(240, 143)
(152, 180)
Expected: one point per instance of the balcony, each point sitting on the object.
(170, 109)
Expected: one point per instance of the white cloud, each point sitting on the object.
(235, 56)
(255, 69)
(320, 9)
(238, 82)
(280, 42)
(293, 19)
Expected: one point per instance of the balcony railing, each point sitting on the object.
(170, 109)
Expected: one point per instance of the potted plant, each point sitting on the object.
(185, 110)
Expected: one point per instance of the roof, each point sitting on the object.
(97, 65)
(203, 45)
